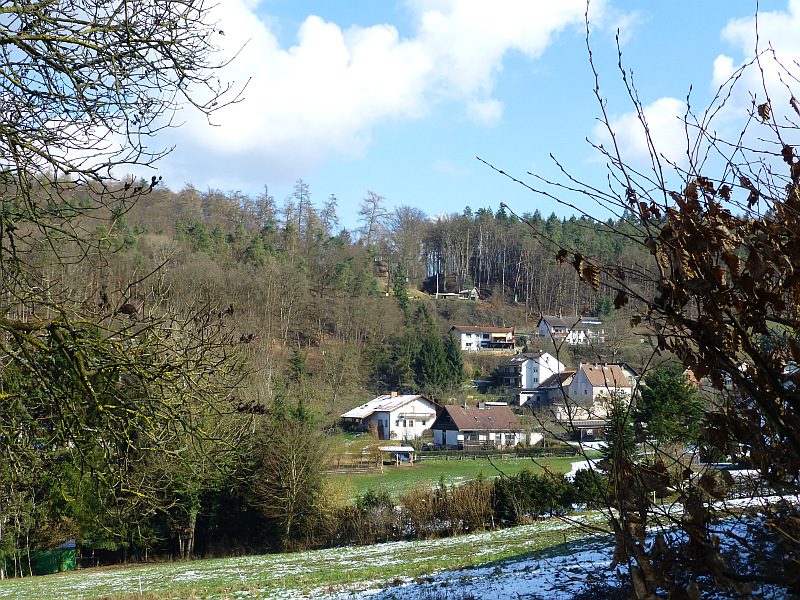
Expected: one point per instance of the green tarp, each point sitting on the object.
(52, 561)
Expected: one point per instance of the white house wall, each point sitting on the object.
(406, 422)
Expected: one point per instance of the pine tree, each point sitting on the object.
(669, 407)
(400, 289)
(431, 368)
(454, 360)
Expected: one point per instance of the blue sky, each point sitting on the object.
(399, 98)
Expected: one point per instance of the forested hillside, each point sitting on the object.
(298, 281)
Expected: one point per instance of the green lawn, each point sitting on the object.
(399, 480)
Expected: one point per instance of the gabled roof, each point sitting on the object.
(385, 403)
(626, 367)
(570, 322)
(476, 329)
(521, 358)
(559, 380)
(490, 418)
(554, 321)
(605, 376)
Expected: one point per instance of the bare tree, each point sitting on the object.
(373, 217)
(407, 226)
(720, 290)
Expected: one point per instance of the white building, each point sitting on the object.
(470, 337)
(523, 373)
(590, 391)
(396, 416)
(572, 330)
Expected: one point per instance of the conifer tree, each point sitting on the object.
(455, 361)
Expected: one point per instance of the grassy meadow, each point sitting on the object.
(428, 473)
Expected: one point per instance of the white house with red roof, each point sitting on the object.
(470, 337)
(396, 416)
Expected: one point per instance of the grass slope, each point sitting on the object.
(428, 473)
(336, 572)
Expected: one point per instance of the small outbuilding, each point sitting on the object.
(399, 454)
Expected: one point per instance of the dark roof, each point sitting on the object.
(557, 381)
(472, 418)
(476, 329)
(521, 357)
(570, 322)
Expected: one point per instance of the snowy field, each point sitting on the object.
(517, 558)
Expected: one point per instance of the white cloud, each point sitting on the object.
(485, 112)
(664, 119)
(777, 34)
(777, 31)
(324, 95)
(468, 38)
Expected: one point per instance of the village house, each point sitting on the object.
(470, 337)
(552, 390)
(396, 416)
(630, 372)
(522, 374)
(572, 330)
(489, 425)
(590, 390)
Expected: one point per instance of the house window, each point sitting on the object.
(411, 422)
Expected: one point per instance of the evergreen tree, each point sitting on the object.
(604, 307)
(431, 369)
(255, 253)
(454, 360)
(400, 289)
(669, 407)
(297, 366)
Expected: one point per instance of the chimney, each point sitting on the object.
(393, 394)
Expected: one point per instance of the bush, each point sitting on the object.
(591, 488)
(527, 495)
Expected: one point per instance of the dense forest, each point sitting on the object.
(299, 282)
(222, 245)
